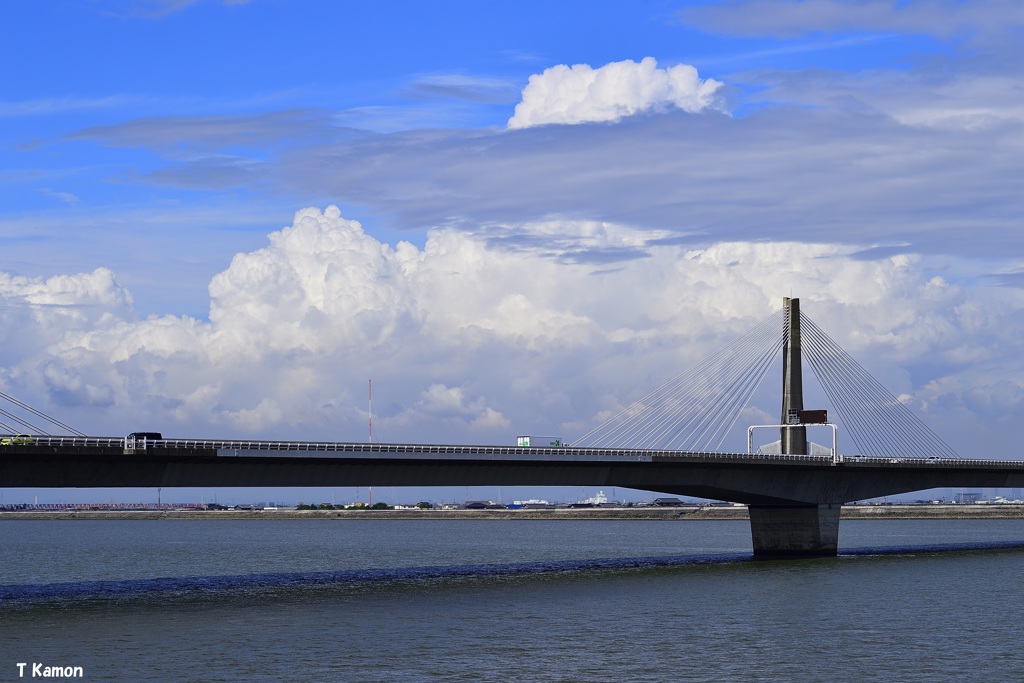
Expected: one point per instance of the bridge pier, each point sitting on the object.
(797, 530)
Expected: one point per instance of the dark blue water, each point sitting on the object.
(333, 600)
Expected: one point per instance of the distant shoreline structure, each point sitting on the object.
(682, 513)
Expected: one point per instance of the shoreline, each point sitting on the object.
(685, 513)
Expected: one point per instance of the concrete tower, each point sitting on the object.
(794, 439)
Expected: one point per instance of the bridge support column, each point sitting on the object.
(794, 439)
(781, 531)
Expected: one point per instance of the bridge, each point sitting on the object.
(794, 495)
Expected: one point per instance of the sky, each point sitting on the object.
(224, 218)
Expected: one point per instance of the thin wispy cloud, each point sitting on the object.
(791, 18)
(154, 9)
(65, 105)
(753, 57)
(215, 131)
(466, 87)
(65, 197)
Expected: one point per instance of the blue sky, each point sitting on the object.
(222, 218)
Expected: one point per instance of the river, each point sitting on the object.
(526, 600)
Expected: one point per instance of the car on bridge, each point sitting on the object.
(147, 436)
(141, 441)
(16, 440)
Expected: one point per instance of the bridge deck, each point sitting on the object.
(333, 449)
(793, 500)
(762, 479)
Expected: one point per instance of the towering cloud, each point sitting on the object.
(467, 341)
(578, 94)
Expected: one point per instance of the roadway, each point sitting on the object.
(760, 479)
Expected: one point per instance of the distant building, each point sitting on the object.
(594, 501)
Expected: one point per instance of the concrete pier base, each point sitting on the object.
(782, 531)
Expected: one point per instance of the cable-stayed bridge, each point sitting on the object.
(666, 442)
(698, 409)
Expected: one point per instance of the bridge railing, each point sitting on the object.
(299, 447)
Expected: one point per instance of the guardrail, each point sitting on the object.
(298, 447)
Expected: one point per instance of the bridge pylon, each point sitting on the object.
(796, 529)
(793, 440)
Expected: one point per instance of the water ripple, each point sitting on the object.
(190, 584)
(78, 590)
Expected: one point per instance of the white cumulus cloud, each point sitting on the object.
(579, 94)
(467, 341)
